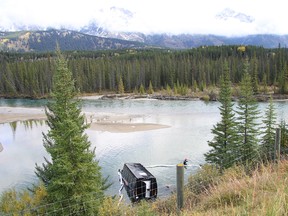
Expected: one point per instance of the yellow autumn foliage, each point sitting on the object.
(241, 49)
(14, 202)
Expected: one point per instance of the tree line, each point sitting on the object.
(31, 74)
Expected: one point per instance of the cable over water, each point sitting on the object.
(171, 165)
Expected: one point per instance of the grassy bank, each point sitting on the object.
(237, 191)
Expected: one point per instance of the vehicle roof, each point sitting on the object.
(139, 170)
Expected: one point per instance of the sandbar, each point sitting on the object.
(110, 122)
(12, 114)
(125, 127)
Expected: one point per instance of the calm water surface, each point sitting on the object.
(190, 128)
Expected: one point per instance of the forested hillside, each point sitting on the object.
(43, 41)
(30, 74)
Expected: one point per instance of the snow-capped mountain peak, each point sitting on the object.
(93, 28)
(228, 13)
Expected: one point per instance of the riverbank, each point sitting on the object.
(209, 94)
(113, 123)
(205, 96)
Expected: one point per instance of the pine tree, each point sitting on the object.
(254, 74)
(141, 89)
(120, 86)
(264, 83)
(267, 145)
(247, 111)
(169, 90)
(150, 90)
(284, 134)
(223, 144)
(72, 177)
(194, 86)
(283, 82)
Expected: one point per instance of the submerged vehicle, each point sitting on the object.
(139, 182)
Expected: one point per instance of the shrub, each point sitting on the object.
(205, 97)
(202, 180)
(23, 202)
(110, 207)
(145, 208)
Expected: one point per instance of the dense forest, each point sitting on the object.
(30, 74)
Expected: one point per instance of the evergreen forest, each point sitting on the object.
(30, 74)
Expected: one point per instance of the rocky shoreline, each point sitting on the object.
(152, 97)
(266, 97)
(259, 97)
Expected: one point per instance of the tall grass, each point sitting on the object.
(238, 191)
(260, 192)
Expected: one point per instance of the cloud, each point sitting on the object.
(149, 16)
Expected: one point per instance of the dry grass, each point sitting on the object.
(263, 191)
(237, 191)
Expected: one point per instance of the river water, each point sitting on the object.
(190, 124)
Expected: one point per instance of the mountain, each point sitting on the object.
(179, 41)
(100, 34)
(27, 41)
(40, 41)
(96, 29)
(120, 27)
(186, 41)
(228, 13)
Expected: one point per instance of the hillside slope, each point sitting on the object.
(27, 41)
(263, 191)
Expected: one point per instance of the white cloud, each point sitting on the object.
(171, 16)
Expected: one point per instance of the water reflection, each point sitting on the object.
(28, 124)
(22, 143)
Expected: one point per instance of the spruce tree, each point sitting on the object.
(223, 150)
(72, 176)
(284, 134)
(141, 89)
(254, 74)
(283, 80)
(120, 86)
(268, 140)
(247, 111)
(150, 90)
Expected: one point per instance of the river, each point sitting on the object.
(190, 124)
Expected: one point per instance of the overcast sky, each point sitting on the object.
(150, 16)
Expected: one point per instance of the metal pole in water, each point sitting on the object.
(180, 186)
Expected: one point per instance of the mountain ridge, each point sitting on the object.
(228, 13)
(186, 41)
(45, 40)
(39, 41)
